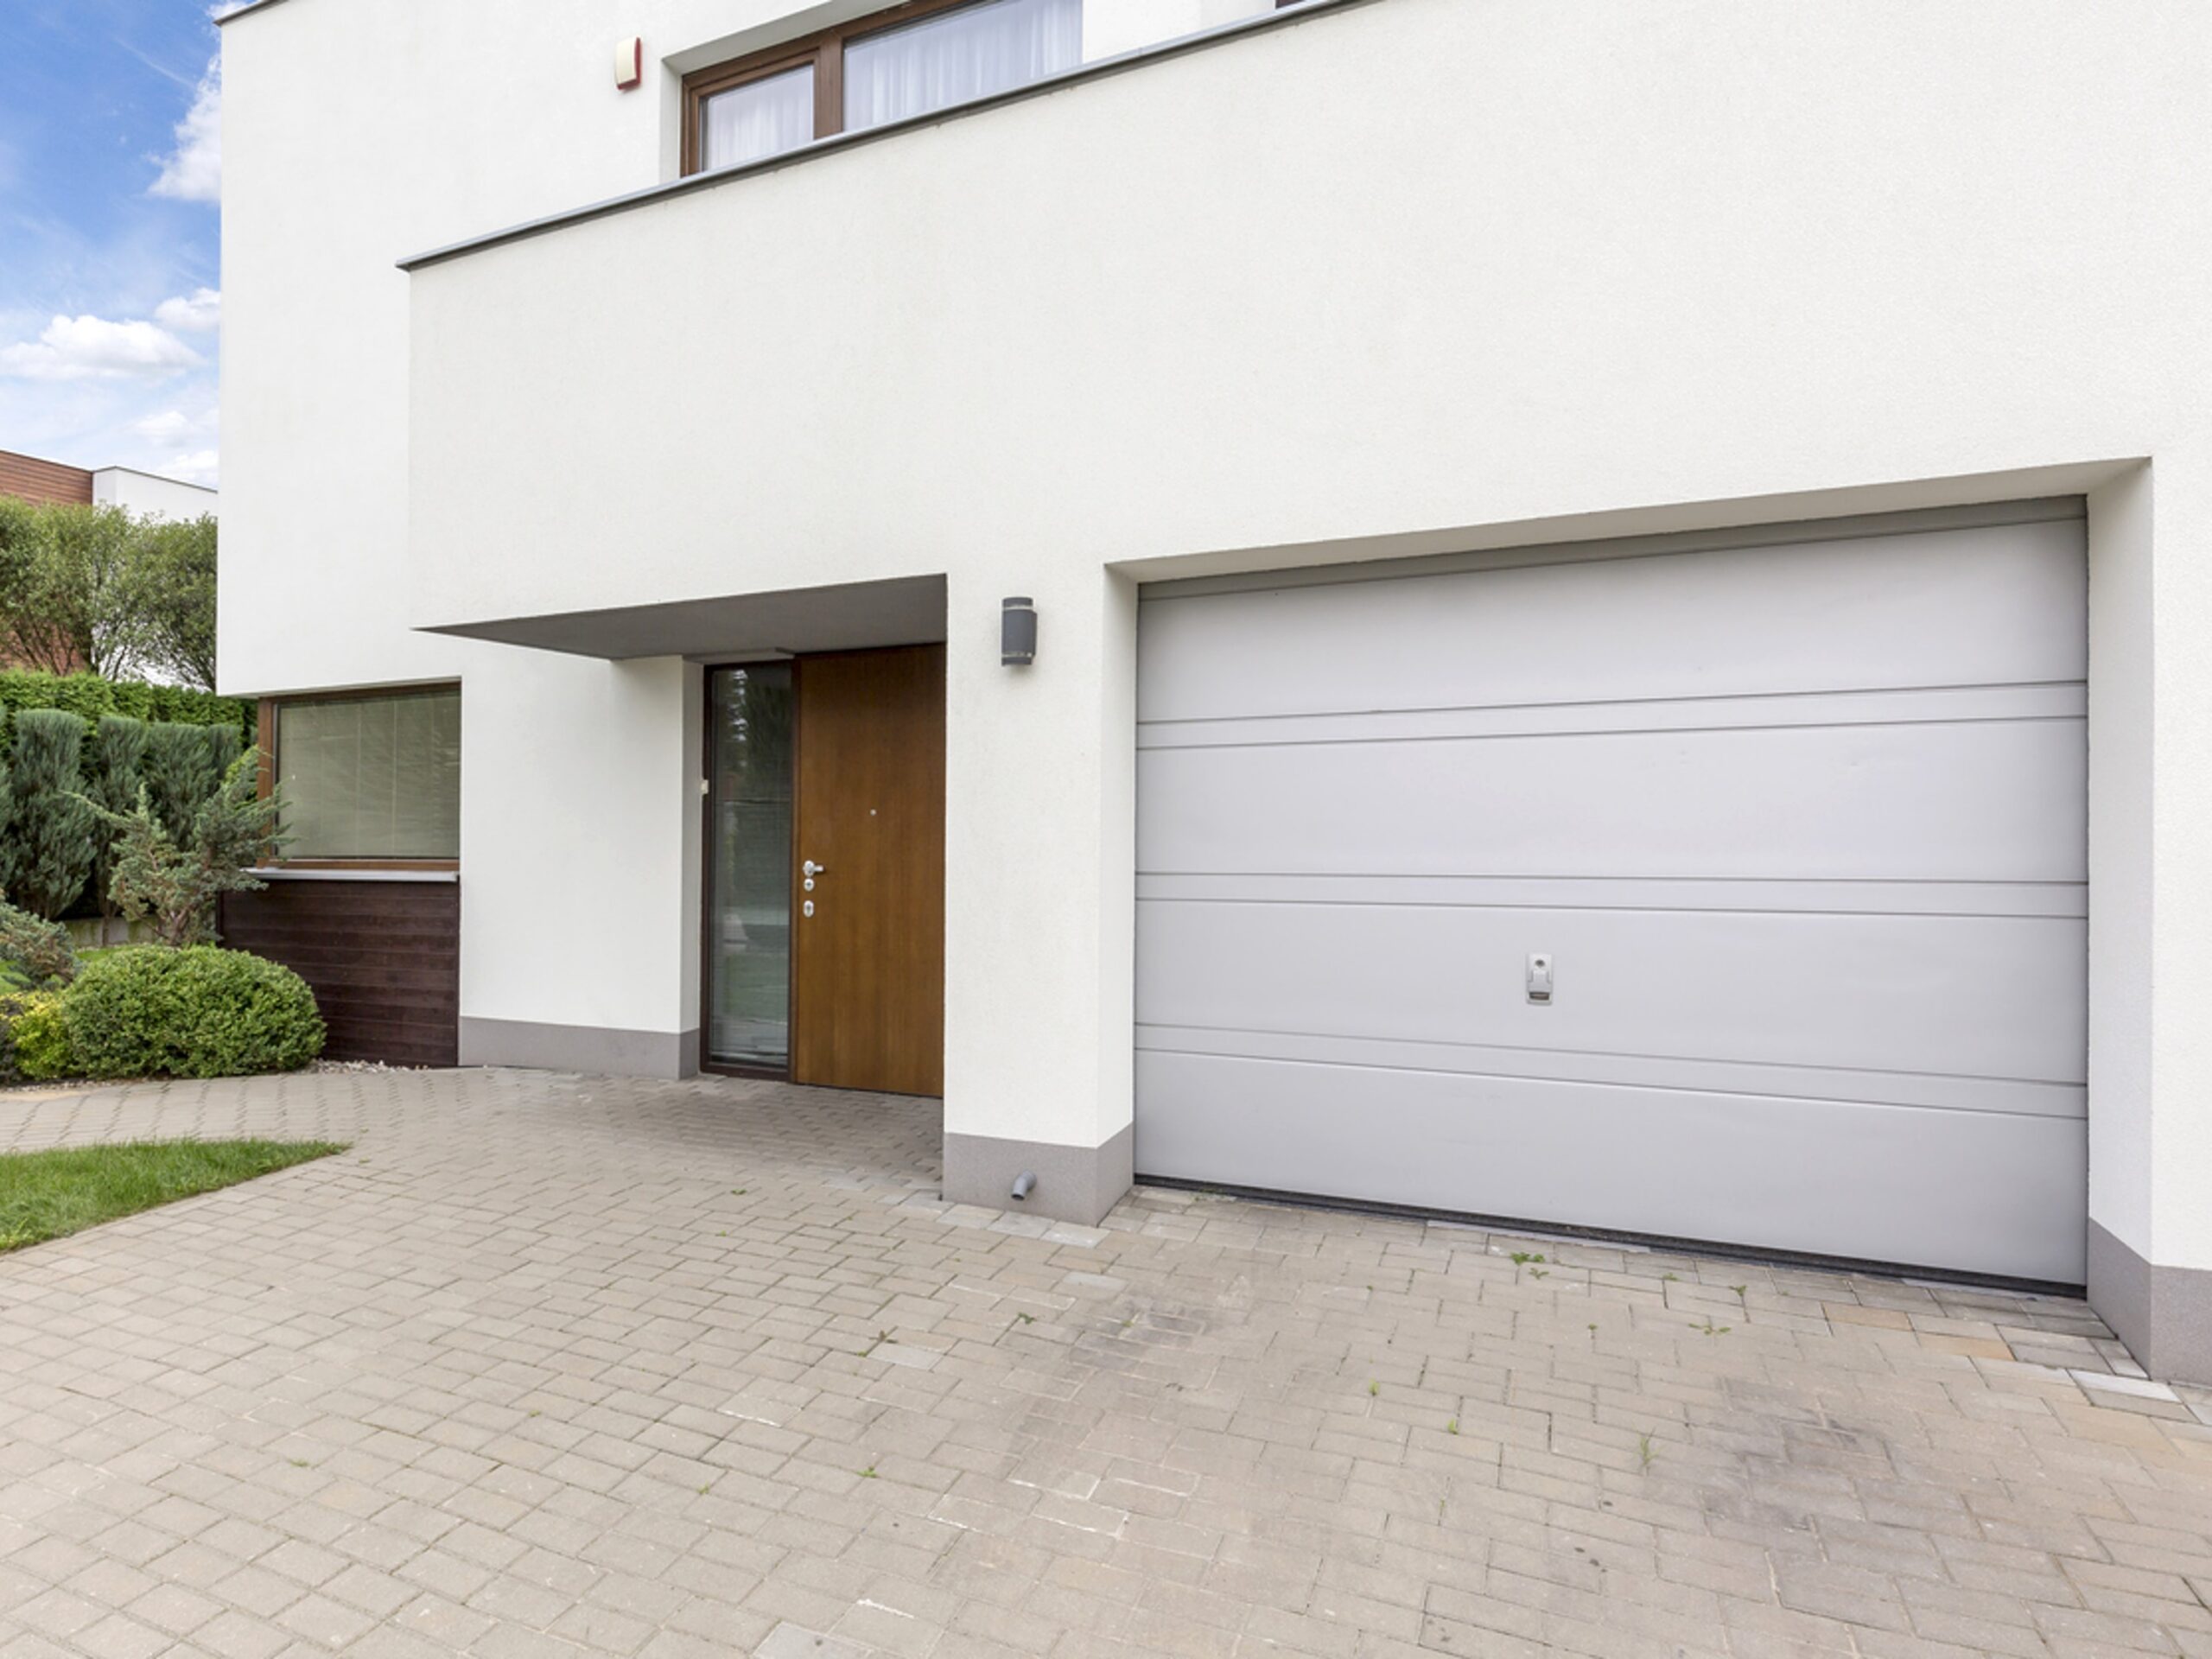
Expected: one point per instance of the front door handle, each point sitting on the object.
(811, 868)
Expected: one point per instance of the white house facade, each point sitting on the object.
(1598, 615)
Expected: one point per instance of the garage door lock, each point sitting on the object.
(1540, 977)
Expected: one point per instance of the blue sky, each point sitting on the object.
(110, 170)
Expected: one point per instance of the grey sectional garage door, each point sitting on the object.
(1797, 816)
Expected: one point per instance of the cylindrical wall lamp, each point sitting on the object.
(1017, 632)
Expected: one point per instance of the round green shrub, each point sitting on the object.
(33, 1044)
(119, 1023)
(41, 1040)
(150, 1010)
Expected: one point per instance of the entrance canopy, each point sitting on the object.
(851, 616)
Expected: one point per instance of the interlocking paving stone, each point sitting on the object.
(560, 1366)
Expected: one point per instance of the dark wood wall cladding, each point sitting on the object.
(42, 480)
(382, 958)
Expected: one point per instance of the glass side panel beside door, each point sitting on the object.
(749, 869)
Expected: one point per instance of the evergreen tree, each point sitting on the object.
(52, 838)
(224, 743)
(180, 774)
(33, 952)
(178, 883)
(112, 782)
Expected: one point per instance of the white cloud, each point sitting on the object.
(173, 429)
(193, 171)
(184, 442)
(92, 348)
(196, 312)
(200, 467)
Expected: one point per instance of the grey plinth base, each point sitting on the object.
(2163, 1315)
(1078, 1184)
(602, 1050)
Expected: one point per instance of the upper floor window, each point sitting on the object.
(904, 62)
(757, 117)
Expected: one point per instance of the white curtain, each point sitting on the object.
(970, 52)
(375, 777)
(758, 118)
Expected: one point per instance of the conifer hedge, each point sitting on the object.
(172, 741)
(88, 696)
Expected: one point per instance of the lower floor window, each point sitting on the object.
(369, 776)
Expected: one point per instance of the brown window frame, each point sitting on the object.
(825, 49)
(264, 735)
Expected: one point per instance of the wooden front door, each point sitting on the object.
(867, 972)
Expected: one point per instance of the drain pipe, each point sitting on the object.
(1024, 1185)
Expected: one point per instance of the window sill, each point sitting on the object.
(354, 872)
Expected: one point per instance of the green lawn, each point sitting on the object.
(48, 1194)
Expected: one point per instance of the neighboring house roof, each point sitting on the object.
(43, 480)
(138, 491)
(151, 494)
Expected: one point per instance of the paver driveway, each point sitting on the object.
(692, 1368)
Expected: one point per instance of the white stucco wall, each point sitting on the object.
(2123, 868)
(1126, 25)
(572, 815)
(357, 135)
(1647, 264)
(150, 495)
(2176, 1225)
(1414, 273)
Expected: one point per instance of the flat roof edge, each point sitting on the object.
(159, 478)
(1257, 23)
(237, 12)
